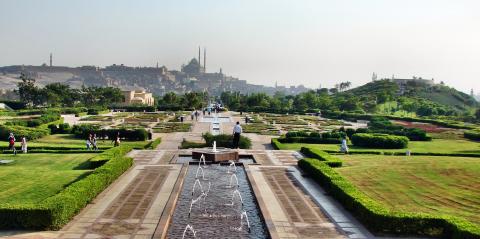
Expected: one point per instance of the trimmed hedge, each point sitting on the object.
(378, 218)
(330, 160)
(83, 130)
(310, 140)
(153, 144)
(226, 140)
(57, 210)
(472, 134)
(19, 131)
(276, 144)
(383, 141)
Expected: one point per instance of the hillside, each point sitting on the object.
(418, 93)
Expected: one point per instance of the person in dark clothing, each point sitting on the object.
(237, 131)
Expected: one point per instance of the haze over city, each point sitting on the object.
(291, 42)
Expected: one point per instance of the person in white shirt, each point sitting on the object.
(237, 130)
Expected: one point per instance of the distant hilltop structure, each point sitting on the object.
(138, 97)
(403, 83)
(158, 80)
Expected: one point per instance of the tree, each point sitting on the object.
(27, 91)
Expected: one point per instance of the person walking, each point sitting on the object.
(117, 140)
(11, 143)
(89, 142)
(94, 142)
(237, 131)
(24, 144)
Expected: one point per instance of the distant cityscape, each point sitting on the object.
(157, 80)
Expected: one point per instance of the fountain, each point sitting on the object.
(231, 180)
(189, 228)
(218, 211)
(215, 155)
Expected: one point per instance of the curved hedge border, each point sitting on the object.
(55, 211)
(472, 135)
(330, 160)
(378, 218)
(383, 141)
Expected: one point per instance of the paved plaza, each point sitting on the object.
(141, 202)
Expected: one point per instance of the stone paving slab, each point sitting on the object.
(294, 214)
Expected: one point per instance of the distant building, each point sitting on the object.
(138, 97)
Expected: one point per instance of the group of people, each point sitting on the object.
(92, 142)
(11, 144)
(194, 115)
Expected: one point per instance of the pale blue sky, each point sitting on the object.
(292, 42)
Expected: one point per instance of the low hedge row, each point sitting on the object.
(472, 134)
(378, 218)
(153, 144)
(226, 140)
(83, 130)
(57, 210)
(20, 131)
(330, 160)
(383, 141)
(310, 140)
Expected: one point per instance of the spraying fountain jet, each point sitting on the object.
(189, 228)
(203, 173)
(232, 164)
(195, 184)
(202, 196)
(202, 158)
(234, 176)
(236, 192)
(244, 215)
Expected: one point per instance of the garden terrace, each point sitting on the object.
(169, 127)
(442, 185)
(20, 179)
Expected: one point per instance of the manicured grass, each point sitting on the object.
(434, 185)
(434, 146)
(34, 177)
(69, 142)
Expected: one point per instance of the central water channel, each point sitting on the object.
(217, 206)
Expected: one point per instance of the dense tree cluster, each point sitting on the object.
(57, 94)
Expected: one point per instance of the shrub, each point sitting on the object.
(379, 219)
(60, 128)
(44, 119)
(383, 141)
(56, 211)
(97, 111)
(225, 140)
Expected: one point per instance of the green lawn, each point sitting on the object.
(435, 185)
(435, 146)
(69, 142)
(34, 177)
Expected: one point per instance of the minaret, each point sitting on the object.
(205, 60)
(199, 63)
(50, 59)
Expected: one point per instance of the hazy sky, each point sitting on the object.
(292, 42)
